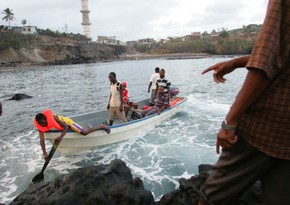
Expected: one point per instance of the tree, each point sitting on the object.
(205, 34)
(224, 33)
(9, 15)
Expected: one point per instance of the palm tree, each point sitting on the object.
(9, 15)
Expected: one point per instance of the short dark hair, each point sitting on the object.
(163, 70)
(40, 117)
(113, 73)
(157, 69)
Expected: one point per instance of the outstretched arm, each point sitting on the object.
(255, 83)
(223, 68)
(42, 144)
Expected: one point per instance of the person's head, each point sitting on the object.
(41, 119)
(112, 77)
(124, 84)
(162, 73)
(157, 69)
(160, 90)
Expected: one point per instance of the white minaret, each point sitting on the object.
(86, 21)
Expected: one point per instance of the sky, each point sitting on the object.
(136, 19)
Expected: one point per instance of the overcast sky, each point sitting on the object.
(135, 19)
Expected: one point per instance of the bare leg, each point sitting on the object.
(127, 108)
(135, 106)
(92, 129)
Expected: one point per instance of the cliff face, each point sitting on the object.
(45, 50)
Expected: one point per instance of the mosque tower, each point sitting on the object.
(86, 21)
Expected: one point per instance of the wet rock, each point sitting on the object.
(113, 185)
(187, 193)
(101, 184)
(20, 96)
(9, 63)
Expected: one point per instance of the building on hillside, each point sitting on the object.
(102, 39)
(176, 38)
(4, 29)
(111, 40)
(162, 41)
(28, 30)
(131, 43)
(146, 41)
(23, 30)
(195, 35)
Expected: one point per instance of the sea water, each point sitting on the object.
(159, 156)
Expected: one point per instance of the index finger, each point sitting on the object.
(207, 70)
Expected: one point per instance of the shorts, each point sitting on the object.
(114, 111)
(238, 168)
(72, 125)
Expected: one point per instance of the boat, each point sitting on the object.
(74, 142)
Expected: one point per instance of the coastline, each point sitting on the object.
(123, 57)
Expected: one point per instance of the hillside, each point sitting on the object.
(49, 48)
(44, 49)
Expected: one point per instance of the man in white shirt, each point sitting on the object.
(152, 85)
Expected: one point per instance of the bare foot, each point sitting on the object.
(107, 129)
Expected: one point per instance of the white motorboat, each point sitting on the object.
(74, 142)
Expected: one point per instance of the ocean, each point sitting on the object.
(160, 156)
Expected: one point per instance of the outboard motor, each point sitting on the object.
(174, 90)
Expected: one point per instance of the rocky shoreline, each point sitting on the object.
(25, 57)
(114, 184)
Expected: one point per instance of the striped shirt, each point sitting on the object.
(161, 100)
(266, 124)
(163, 82)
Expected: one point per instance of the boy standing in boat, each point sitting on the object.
(115, 104)
(46, 121)
(152, 85)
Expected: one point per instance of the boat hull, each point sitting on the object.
(74, 142)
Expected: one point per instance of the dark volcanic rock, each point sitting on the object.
(20, 96)
(113, 185)
(102, 184)
(187, 193)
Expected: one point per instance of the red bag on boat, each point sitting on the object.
(146, 107)
(172, 103)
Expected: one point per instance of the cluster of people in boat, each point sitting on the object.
(119, 102)
(119, 105)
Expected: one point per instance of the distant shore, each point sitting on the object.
(133, 56)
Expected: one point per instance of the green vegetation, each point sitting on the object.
(224, 42)
(9, 41)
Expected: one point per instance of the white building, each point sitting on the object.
(26, 30)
